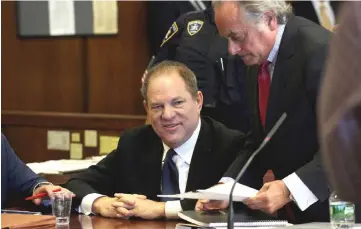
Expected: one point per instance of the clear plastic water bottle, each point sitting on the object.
(342, 213)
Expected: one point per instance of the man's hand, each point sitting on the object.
(104, 206)
(204, 205)
(272, 196)
(49, 190)
(139, 206)
(125, 203)
(149, 209)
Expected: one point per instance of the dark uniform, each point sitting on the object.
(161, 14)
(193, 39)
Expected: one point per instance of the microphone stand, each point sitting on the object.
(230, 217)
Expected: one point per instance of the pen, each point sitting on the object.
(41, 194)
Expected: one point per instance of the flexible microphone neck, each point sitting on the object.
(268, 137)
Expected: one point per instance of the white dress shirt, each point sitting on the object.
(182, 160)
(329, 10)
(301, 194)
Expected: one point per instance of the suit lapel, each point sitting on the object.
(252, 94)
(197, 168)
(151, 163)
(282, 76)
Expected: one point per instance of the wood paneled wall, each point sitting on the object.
(27, 131)
(99, 74)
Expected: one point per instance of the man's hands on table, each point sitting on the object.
(128, 205)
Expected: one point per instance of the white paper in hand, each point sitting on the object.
(218, 192)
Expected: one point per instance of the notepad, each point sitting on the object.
(219, 219)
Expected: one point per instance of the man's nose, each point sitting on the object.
(168, 112)
(233, 48)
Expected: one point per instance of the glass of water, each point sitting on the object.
(62, 207)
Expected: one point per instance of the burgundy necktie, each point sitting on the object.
(264, 82)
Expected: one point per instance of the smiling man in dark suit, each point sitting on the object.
(165, 157)
(286, 55)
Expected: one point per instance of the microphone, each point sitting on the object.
(230, 219)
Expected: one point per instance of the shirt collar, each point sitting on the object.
(185, 151)
(273, 54)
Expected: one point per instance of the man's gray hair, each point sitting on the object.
(168, 67)
(254, 9)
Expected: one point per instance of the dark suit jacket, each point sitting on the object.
(15, 175)
(305, 9)
(340, 108)
(136, 165)
(294, 88)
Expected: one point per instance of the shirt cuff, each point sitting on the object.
(172, 208)
(226, 180)
(301, 194)
(87, 203)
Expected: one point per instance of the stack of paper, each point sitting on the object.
(218, 192)
(63, 166)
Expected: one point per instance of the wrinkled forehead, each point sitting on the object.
(166, 82)
(230, 18)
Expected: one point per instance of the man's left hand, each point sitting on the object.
(272, 196)
(142, 207)
(49, 190)
(149, 209)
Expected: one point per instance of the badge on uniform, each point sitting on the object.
(194, 27)
(172, 30)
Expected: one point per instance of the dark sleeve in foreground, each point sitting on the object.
(340, 106)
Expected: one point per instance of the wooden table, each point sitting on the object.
(96, 222)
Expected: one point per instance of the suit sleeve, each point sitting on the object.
(254, 173)
(20, 177)
(96, 179)
(312, 174)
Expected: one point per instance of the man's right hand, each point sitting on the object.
(204, 205)
(104, 206)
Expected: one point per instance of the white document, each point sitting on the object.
(61, 17)
(218, 192)
(62, 166)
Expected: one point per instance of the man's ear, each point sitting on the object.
(145, 104)
(200, 100)
(270, 20)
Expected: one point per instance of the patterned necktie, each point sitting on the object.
(324, 17)
(264, 82)
(170, 177)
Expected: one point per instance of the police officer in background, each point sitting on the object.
(161, 14)
(193, 39)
